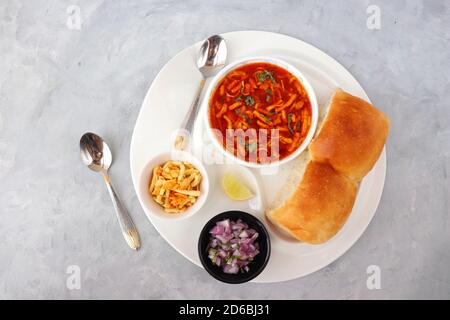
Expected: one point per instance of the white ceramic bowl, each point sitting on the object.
(153, 208)
(280, 63)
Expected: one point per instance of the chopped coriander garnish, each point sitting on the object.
(269, 91)
(289, 119)
(266, 118)
(238, 98)
(267, 98)
(264, 75)
(249, 101)
(238, 111)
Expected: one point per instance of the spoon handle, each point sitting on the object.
(129, 231)
(188, 123)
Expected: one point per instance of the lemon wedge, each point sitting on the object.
(234, 188)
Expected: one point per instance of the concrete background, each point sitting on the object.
(56, 83)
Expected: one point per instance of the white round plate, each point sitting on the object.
(163, 110)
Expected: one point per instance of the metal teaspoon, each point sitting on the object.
(97, 156)
(210, 59)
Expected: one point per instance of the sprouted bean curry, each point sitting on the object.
(268, 104)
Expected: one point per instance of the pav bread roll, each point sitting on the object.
(319, 206)
(346, 148)
(352, 136)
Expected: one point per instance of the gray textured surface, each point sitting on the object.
(57, 83)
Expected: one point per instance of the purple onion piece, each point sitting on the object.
(232, 246)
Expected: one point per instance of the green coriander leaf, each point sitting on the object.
(264, 75)
(249, 101)
(289, 118)
(266, 118)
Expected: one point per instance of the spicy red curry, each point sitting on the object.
(268, 104)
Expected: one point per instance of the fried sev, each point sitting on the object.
(175, 185)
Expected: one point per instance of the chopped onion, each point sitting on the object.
(232, 246)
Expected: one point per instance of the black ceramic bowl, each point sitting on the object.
(256, 266)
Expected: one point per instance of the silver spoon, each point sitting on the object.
(211, 58)
(96, 154)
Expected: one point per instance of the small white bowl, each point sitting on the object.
(280, 63)
(153, 208)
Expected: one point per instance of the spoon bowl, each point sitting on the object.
(212, 56)
(95, 153)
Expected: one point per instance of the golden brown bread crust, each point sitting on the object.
(352, 136)
(319, 206)
(345, 150)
